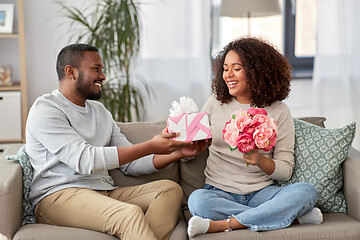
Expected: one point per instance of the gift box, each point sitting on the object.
(192, 126)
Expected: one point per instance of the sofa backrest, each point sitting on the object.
(137, 132)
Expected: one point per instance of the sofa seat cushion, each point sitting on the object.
(48, 232)
(40, 231)
(336, 226)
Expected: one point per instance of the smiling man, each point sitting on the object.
(73, 141)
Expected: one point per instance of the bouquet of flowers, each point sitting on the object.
(250, 130)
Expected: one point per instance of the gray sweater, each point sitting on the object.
(74, 146)
(227, 169)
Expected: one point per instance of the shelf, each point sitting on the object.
(20, 87)
(14, 87)
(9, 35)
(3, 141)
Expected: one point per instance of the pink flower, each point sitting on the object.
(272, 142)
(260, 119)
(240, 113)
(256, 111)
(273, 125)
(245, 143)
(230, 134)
(241, 122)
(262, 136)
(249, 130)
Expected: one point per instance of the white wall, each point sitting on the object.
(300, 98)
(45, 33)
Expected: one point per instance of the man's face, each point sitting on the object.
(90, 77)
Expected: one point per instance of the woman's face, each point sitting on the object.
(234, 77)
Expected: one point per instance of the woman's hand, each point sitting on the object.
(252, 158)
(195, 148)
(266, 164)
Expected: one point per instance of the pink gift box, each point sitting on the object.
(192, 127)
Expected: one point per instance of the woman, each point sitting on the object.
(239, 188)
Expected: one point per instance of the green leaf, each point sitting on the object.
(113, 26)
(232, 149)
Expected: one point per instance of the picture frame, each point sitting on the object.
(6, 18)
(5, 76)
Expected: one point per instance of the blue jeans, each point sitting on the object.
(270, 208)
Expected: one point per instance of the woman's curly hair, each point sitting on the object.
(267, 71)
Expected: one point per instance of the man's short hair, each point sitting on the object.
(71, 55)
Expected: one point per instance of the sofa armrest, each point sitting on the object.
(351, 168)
(10, 194)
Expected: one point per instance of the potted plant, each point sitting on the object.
(113, 27)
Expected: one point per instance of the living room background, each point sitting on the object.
(175, 56)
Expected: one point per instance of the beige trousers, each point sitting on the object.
(148, 211)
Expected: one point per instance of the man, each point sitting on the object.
(72, 142)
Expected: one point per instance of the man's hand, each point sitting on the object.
(188, 149)
(162, 143)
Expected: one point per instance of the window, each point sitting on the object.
(227, 29)
(300, 36)
(293, 32)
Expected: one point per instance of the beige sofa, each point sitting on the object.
(189, 174)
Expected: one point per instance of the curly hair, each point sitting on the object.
(267, 72)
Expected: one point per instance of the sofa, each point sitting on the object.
(189, 174)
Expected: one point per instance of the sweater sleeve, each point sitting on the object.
(283, 155)
(49, 128)
(141, 166)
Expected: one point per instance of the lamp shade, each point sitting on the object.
(243, 8)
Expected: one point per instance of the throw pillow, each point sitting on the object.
(319, 153)
(27, 171)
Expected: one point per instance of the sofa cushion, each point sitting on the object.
(27, 175)
(315, 120)
(50, 232)
(335, 226)
(191, 178)
(137, 132)
(319, 153)
(40, 231)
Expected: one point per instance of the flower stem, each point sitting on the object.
(247, 164)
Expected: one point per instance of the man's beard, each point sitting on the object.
(85, 88)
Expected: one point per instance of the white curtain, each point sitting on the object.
(337, 64)
(175, 53)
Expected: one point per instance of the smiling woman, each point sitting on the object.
(266, 70)
(235, 78)
(250, 72)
